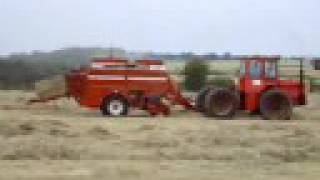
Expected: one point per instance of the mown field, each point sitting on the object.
(59, 140)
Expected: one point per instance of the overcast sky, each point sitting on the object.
(240, 26)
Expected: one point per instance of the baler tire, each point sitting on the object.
(200, 99)
(275, 105)
(222, 103)
(119, 101)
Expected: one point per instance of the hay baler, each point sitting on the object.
(116, 85)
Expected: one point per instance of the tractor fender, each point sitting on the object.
(114, 94)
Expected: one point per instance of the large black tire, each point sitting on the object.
(200, 99)
(114, 106)
(275, 105)
(221, 103)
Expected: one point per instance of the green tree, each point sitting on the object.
(196, 72)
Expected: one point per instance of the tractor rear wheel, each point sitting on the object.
(200, 99)
(275, 105)
(221, 103)
(115, 106)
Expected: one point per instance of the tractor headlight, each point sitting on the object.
(236, 81)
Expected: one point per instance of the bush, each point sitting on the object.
(221, 83)
(195, 72)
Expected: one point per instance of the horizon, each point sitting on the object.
(128, 53)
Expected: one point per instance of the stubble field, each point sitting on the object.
(59, 140)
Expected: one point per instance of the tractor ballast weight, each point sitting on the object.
(260, 90)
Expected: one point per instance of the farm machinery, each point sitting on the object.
(116, 85)
(259, 90)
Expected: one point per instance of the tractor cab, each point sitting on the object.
(259, 75)
(259, 68)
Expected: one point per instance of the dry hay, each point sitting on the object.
(52, 87)
(239, 148)
(270, 142)
(29, 140)
(49, 135)
(38, 148)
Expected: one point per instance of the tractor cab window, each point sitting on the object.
(255, 70)
(270, 70)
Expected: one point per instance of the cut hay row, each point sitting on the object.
(261, 142)
(51, 87)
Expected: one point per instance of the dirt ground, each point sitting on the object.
(59, 140)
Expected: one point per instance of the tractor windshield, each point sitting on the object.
(270, 70)
(255, 70)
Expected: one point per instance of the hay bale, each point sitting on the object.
(51, 87)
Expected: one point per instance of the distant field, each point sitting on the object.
(176, 66)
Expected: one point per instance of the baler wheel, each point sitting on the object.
(275, 105)
(221, 103)
(200, 99)
(115, 106)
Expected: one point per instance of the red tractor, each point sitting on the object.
(260, 90)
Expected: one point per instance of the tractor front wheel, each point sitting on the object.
(221, 103)
(275, 105)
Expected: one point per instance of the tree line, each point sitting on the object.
(20, 71)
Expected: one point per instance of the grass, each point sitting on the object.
(125, 148)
